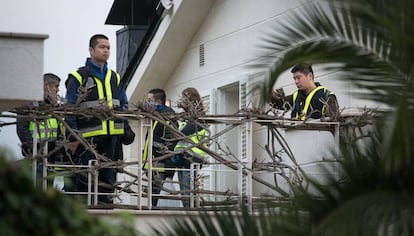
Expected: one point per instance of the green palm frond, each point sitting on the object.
(356, 40)
(370, 190)
(269, 221)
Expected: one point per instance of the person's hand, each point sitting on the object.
(276, 94)
(128, 136)
(72, 146)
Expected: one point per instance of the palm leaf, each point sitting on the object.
(352, 40)
(371, 44)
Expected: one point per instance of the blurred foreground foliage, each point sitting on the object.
(26, 210)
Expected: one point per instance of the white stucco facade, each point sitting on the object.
(229, 32)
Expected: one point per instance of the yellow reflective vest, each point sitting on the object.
(156, 165)
(100, 94)
(302, 115)
(46, 130)
(196, 138)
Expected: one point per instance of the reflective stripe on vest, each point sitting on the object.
(196, 138)
(45, 132)
(307, 102)
(93, 104)
(107, 126)
(160, 166)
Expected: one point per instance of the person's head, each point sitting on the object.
(50, 87)
(99, 49)
(156, 97)
(303, 76)
(191, 100)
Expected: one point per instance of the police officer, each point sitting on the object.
(192, 104)
(156, 100)
(311, 100)
(48, 130)
(96, 86)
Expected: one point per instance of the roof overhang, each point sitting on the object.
(131, 12)
(175, 32)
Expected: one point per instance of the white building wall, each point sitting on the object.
(231, 33)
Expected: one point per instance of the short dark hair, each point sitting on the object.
(49, 78)
(304, 68)
(94, 40)
(159, 94)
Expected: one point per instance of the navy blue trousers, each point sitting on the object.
(105, 145)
